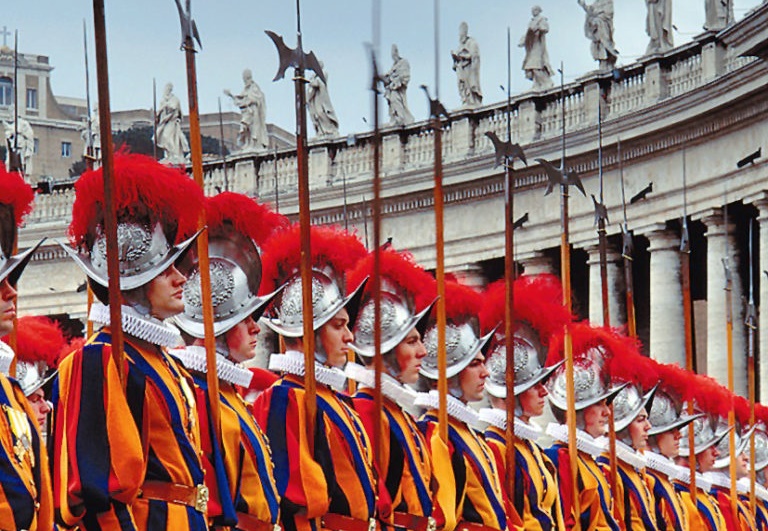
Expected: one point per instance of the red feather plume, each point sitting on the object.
(144, 188)
(461, 302)
(676, 381)
(538, 301)
(331, 246)
(761, 414)
(741, 409)
(248, 217)
(16, 192)
(710, 396)
(401, 269)
(38, 339)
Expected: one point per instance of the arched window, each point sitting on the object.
(6, 91)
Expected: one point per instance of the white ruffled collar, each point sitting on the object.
(498, 417)
(630, 456)
(194, 358)
(292, 362)
(662, 464)
(718, 479)
(144, 327)
(684, 476)
(584, 441)
(6, 358)
(456, 408)
(760, 491)
(397, 392)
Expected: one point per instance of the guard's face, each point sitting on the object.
(638, 431)
(40, 406)
(706, 459)
(596, 419)
(533, 400)
(472, 379)
(409, 353)
(335, 337)
(164, 293)
(7, 307)
(742, 465)
(242, 340)
(669, 443)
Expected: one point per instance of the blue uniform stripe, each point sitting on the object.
(278, 405)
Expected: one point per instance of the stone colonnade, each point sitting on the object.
(666, 325)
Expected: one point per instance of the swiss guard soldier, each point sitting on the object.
(538, 313)
(39, 341)
(239, 470)
(668, 421)
(129, 457)
(329, 485)
(702, 508)
(720, 476)
(633, 503)
(469, 492)
(407, 295)
(592, 399)
(761, 471)
(25, 490)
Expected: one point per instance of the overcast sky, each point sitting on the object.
(144, 38)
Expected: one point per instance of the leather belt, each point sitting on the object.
(413, 522)
(473, 526)
(248, 522)
(339, 522)
(195, 497)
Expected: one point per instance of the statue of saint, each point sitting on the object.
(598, 27)
(466, 63)
(719, 13)
(658, 26)
(320, 108)
(536, 62)
(395, 87)
(253, 120)
(24, 146)
(170, 138)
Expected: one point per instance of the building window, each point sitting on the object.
(31, 98)
(37, 146)
(66, 149)
(6, 91)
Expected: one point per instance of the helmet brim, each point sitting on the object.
(14, 266)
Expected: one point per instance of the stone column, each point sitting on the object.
(667, 330)
(470, 275)
(536, 264)
(717, 348)
(761, 374)
(616, 303)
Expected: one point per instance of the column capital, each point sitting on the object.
(662, 240)
(760, 200)
(535, 263)
(611, 254)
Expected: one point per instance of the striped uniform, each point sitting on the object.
(633, 503)
(536, 500)
(745, 521)
(595, 501)
(241, 465)
(406, 488)
(469, 492)
(25, 484)
(703, 513)
(111, 441)
(671, 514)
(335, 476)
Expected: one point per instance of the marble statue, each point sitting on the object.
(94, 140)
(536, 62)
(25, 144)
(718, 14)
(253, 120)
(466, 63)
(658, 26)
(395, 87)
(320, 108)
(169, 137)
(598, 28)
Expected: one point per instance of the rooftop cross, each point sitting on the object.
(5, 33)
